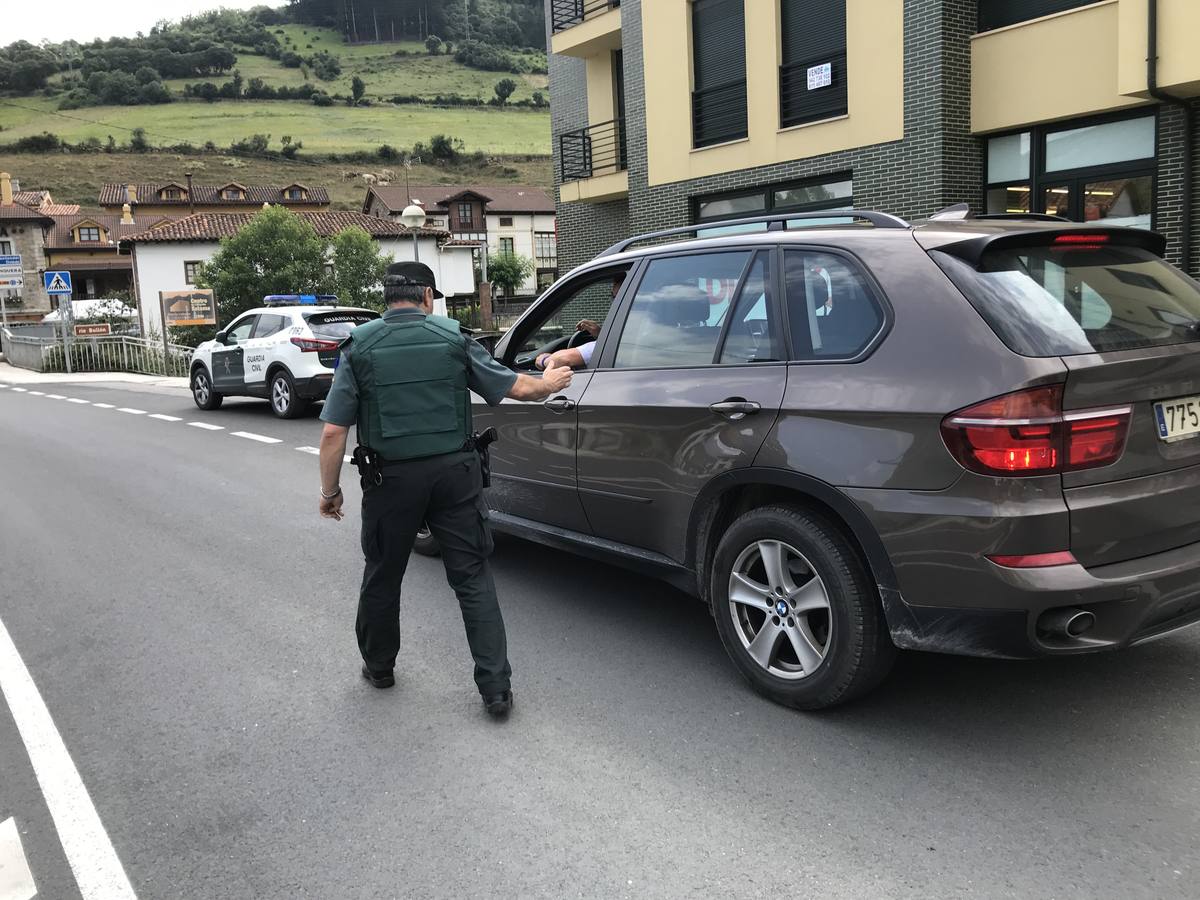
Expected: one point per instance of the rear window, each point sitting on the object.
(337, 324)
(1067, 301)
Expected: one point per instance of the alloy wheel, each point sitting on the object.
(281, 395)
(201, 388)
(780, 609)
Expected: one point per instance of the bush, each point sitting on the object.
(138, 142)
(322, 99)
(388, 153)
(88, 145)
(477, 55)
(154, 92)
(110, 145)
(433, 45)
(145, 75)
(37, 143)
(325, 66)
(504, 89)
(538, 100)
(255, 145)
(290, 60)
(445, 147)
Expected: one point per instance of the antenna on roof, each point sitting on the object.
(956, 213)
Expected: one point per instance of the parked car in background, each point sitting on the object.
(974, 436)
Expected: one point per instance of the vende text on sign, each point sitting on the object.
(820, 76)
(95, 330)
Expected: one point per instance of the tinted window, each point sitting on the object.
(832, 311)
(580, 302)
(1063, 301)
(269, 325)
(677, 314)
(753, 334)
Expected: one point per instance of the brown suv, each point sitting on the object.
(974, 436)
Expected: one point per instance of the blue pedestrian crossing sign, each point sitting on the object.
(57, 282)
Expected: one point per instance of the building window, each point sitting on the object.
(999, 13)
(232, 194)
(89, 234)
(718, 71)
(191, 270)
(465, 214)
(545, 248)
(834, 192)
(506, 246)
(506, 221)
(172, 194)
(1097, 169)
(294, 193)
(812, 76)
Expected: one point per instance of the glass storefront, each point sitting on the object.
(1097, 170)
(810, 196)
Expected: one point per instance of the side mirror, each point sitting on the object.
(221, 337)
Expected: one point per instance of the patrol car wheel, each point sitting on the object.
(202, 391)
(284, 401)
(426, 544)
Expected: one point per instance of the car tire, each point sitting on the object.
(281, 394)
(831, 643)
(426, 544)
(203, 394)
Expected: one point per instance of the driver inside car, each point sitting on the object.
(579, 356)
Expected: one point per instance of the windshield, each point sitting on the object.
(337, 324)
(1066, 301)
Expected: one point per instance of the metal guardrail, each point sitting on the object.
(597, 149)
(568, 13)
(97, 354)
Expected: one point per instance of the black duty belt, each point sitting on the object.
(370, 464)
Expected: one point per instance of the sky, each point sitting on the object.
(83, 20)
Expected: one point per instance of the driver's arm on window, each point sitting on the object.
(571, 357)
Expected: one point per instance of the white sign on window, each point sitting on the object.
(820, 76)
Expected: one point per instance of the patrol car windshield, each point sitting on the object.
(337, 324)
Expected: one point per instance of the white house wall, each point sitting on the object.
(521, 231)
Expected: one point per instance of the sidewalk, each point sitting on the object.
(13, 375)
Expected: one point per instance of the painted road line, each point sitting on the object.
(251, 436)
(163, 418)
(54, 396)
(22, 390)
(98, 872)
(16, 881)
(313, 450)
(103, 406)
(3, 385)
(131, 411)
(36, 393)
(206, 426)
(348, 458)
(77, 400)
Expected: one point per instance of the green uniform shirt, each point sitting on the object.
(485, 376)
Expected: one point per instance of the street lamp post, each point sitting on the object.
(413, 217)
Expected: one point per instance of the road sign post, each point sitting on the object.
(58, 284)
(12, 277)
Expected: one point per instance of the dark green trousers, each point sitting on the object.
(447, 492)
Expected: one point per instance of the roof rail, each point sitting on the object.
(1037, 217)
(777, 222)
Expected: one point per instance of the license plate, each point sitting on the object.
(1179, 418)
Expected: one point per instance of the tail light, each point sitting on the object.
(315, 345)
(1027, 433)
(1036, 560)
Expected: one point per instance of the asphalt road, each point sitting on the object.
(188, 620)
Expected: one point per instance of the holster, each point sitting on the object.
(367, 462)
(480, 441)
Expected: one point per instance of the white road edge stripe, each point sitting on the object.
(22, 390)
(54, 396)
(103, 406)
(165, 418)
(131, 411)
(313, 450)
(77, 400)
(251, 436)
(98, 872)
(206, 426)
(16, 881)
(37, 393)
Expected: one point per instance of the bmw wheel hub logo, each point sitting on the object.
(781, 608)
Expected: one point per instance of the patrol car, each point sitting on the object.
(284, 351)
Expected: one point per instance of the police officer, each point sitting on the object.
(405, 381)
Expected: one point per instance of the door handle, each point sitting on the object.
(559, 404)
(735, 408)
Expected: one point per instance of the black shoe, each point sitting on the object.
(499, 705)
(378, 679)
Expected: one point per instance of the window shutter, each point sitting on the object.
(813, 36)
(999, 13)
(718, 71)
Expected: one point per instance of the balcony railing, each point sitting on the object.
(568, 13)
(719, 113)
(595, 150)
(799, 103)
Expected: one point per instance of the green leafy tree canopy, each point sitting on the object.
(509, 271)
(358, 269)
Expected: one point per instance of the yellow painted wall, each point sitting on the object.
(1178, 59)
(600, 88)
(598, 33)
(1057, 67)
(875, 61)
(597, 189)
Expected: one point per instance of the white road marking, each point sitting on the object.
(54, 396)
(22, 390)
(103, 406)
(206, 426)
(251, 436)
(165, 418)
(16, 881)
(313, 450)
(3, 385)
(132, 412)
(98, 872)
(36, 393)
(348, 458)
(77, 400)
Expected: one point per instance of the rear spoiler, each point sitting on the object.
(971, 250)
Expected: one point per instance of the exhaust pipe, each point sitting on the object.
(1066, 622)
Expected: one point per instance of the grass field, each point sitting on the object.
(334, 129)
(72, 178)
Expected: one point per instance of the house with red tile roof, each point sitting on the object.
(187, 198)
(23, 230)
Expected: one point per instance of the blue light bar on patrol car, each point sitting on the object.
(300, 300)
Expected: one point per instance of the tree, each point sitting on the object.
(509, 271)
(504, 89)
(358, 268)
(138, 142)
(358, 87)
(277, 252)
(433, 45)
(290, 148)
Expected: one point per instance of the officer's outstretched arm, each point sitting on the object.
(526, 387)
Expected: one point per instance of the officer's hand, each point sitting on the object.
(557, 377)
(332, 508)
(592, 328)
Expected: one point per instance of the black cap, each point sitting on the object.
(411, 273)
